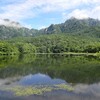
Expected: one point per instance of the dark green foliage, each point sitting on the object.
(16, 48)
(72, 69)
(8, 49)
(26, 48)
(56, 43)
(79, 36)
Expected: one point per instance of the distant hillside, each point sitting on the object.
(72, 26)
(10, 32)
(87, 26)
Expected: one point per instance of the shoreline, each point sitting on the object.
(69, 53)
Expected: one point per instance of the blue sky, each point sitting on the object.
(41, 13)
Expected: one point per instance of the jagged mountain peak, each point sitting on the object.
(72, 25)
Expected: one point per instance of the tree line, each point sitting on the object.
(53, 43)
(7, 48)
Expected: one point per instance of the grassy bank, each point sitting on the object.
(71, 53)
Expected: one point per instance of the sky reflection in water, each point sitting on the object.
(80, 73)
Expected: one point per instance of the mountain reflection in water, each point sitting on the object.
(40, 79)
(63, 77)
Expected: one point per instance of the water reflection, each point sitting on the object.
(82, 73)
(79, 92)
(39, 79)
(73, 69)
(91, 90)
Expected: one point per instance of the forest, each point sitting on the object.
(73, 36)
(53, 43)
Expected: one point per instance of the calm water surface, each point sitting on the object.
(49, 77)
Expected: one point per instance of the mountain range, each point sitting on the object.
(72, 26)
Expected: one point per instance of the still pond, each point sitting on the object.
(49, 77)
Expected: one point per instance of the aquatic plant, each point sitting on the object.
(37, 89)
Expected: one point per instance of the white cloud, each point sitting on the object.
(9, 23)
(83, 13)
(26, 9)
(60, 5)
(95, 13)
(78, 14)
(29, 8)
(17, 11)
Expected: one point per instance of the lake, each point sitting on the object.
(49, 77)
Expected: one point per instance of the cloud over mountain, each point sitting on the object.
(25, 10)
(9, 23)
